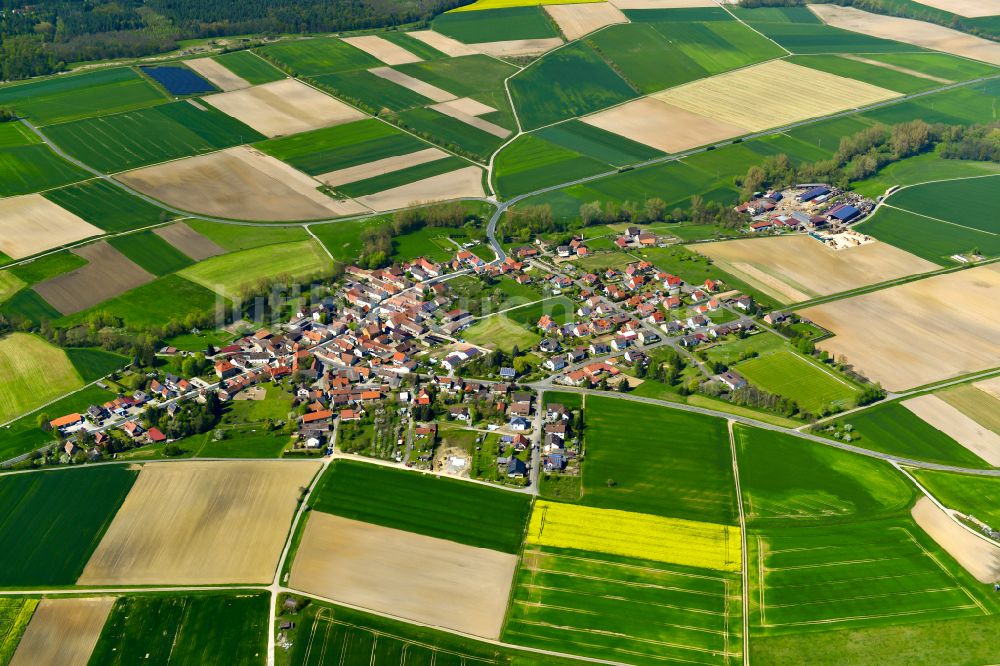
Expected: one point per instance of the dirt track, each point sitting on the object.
(63, 632)
(978, 556)
(107, 274)
(31, 224)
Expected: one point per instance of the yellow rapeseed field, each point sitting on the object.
(639, 535)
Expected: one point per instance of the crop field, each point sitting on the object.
(61, 98)
(489, 25)
(855, 575)
(570, 82)
(147, 136)
(108, 273)
(95, 363)
(151, 252)
(971, 434)
(13, 135)
(798, 30)
(10, 284)
(788, 374)
(978, 402)
(200, 523)
(34, 372)
(789, 481)
(530, 163)
(188, 242)
(204, 629)
(451, 132)
(871, 71)
(53, 551)
(634, 611)
(954, 202)
(226, 274)
(63, 631)
(31, 168)
(578, 20)
(369, 91)
(597, 144)
(107, 206)
(360, 184)
(930, 239)
(669, 540)
(155, 303)
(425, 504)
(179, 80)
(561, 310)
(977, 496)
(940, 65)
(321, 55)
(430, 242)
(250, 67)
(920, 169)
(31, 223)
(343, 239)
(661, 461)
(960, 106)
(464, 182)
(14, 616)
(501, 332)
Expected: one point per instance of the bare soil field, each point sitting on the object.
(991, 386)
(909, 31)
(980, 406)
(31, 224)
(575, 21)
(218, 74)
(383, 49)
(420, 578)
(937, 413)
(920, 332)
(662, 4)
(444, 44)
(516, 48)
(382, 166)
(967, 8)
(283, 107)
(466, 110)
(416, 85)
(199, 523)
(897, 68)
(805, 93)
(810, 267)
(107, 274)
(63, 631)
(978, 556)
(662, 126)
(189, 241)
(465, 182)
(241, 184)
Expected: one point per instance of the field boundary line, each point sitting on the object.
(943, 568)
(938, 219)
(726, 9)
(878, 616)
(744, 565)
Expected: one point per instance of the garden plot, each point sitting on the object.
(909, 31)
(663, 126)
(195, 523)
(189, 241)
(467, 110)
(239, 183)
(383, 49)
(936, 412)
(443, 43)
(218, 74)
(410, 83)
(518, 48)
(575, 21)
(107, 274)
(283, 107)
(773, 94)
(419, 578)
(31, 224)
(63, 631)
(796, 268)
(463, 183)
(917, 333)
(979, 556)
(966, 8)
(381, 167)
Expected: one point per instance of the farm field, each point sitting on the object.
(154, 303)
(800, 31)
(786, 373)
(54, 551)
(915, 310)
(560, 308)
(636, 611)
(188, 241)
(107, 274)
(419, 167)
(369, 91)
(32, 168)
(954, 202)
(531, 163)
(234, 238)
(249, 66)
(577, 20)
(151, 252)
(788, 481)
(422, 504)
(502, 332)
(95, 363)
(15, 613)
(107, 206)
(862, 68)
(218, 629)
(165, 532)
(978, 556)
(63, 631)
(31, 224)
(343, 240)
(978, 401)
(487, 25)
(298, 261)
(931, 239)
(383, 569)
(597, 144)
(34, 372)
(321, 55)
(678, 464)
(951, 421)
(179, 80)
(465, 182)
(972, 495)
(920, 169)
(24, 435)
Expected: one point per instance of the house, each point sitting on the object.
(733, 380)
(774, 318)
(557, 429)
(459, 412)
(155, 436)
(225, 369)
(744, 303)
(555, 363)
(519, 424)
(508, 373)
(350, 415)
(65, 422)
(554, 462)
(516, 469)
(132, 429)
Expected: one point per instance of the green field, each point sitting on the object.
(531, 163)
(10, 284)
(861, 71)
(940, 65)
(148, 136)
(788, 374)
(249, 66)
(68, 97)
(27, 304)
(370, 92)
(228, 273)
(430, 242)
(657, 460)
(46, 267)
(450, 133)
(401, 177)
(343, 239)
(490, 25)
(561, 310)
(15, 613)
(24, 435)
(597, 143)
(16, 134)
(48, 533)
(960, 106)
(242, 237)
(154, 304)
(502, 332)
(625, 610)
(787, 480)
(93, 364)
(572, 81)
(920, 169)
(930, 239)
(151, 252)
(434, 506)
(107, 206)
(320, 55)
(958, 202)
(800, 31)
(201, 629)
(34, 372)
(343, 146)
(977, 496)
(26, 169)
(412, 44)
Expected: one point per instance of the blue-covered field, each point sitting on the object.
(179, 80)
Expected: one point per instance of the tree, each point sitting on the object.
(44, 421)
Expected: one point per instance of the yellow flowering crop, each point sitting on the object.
(639, 535)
